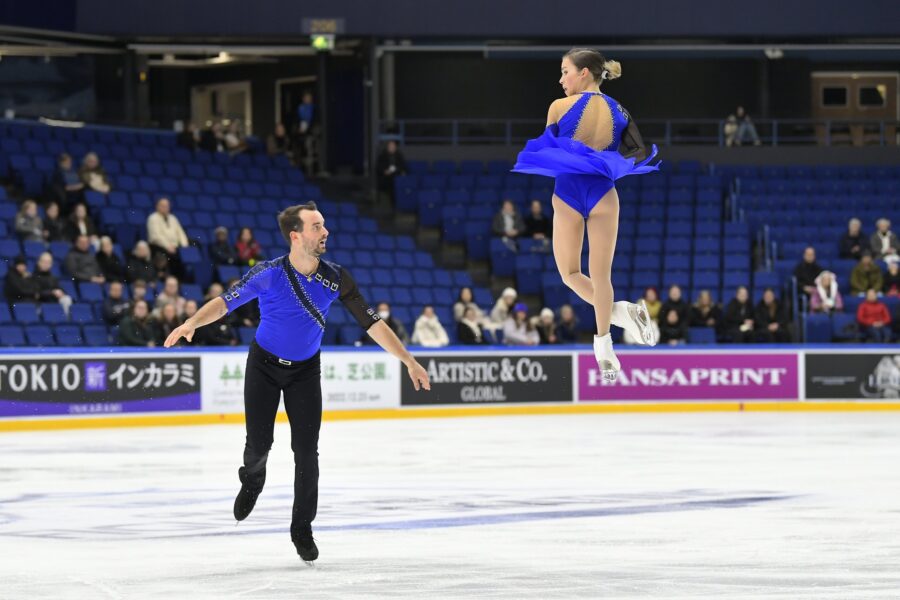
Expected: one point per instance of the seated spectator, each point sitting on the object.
(504, 305)
(468, 329)
(866, 275)
(190, 309)
(214, 291)
(746, 130)
(874, 319)
(54, 227)
(891, 286)
(508, 224)
(651, 299)
(537, 224)
(66, 187)
(546, 327)
(187, 138)
(428, 331)
(29, 226)
(730, 130)
(115, 306)
(220, 250)
(738, 321)
(220, 333)
(518, 330)
(853, 242)
(212, 139)
(248, 249)
(162, 268)
(676, 302)
(167, 320)
(19, 285)
(235, 140)
(246, 315)
(390, 164)
(138, 291)
(79, 223)
(139, 265)
(166, 236)
(137, 328)
(279, 143)
(170, 294)
(92, 174)
(567, 328)
(110, 264)
(48, 284)
(771, 320)
(827, 297)
(673, 329)
(464, 302)
(884, 243)
(384, 311)
(807, 271)
(81, 263)
(705, 312)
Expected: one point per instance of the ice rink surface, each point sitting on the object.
(712, 505)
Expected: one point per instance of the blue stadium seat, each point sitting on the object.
(39, 335)
(701, 335)
(12, 335)
(25, 313)
(844, 327)
(68, 335)
(81, 313)
(818, 328)
(53, 313)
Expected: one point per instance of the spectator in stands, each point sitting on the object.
(746, 130)
(468, 329)
(162, 268)
(874, 319)
(138, 290)
(567, 328)
(110, 264)
(47, 283)
(220, 333)
(166, 236)
(866, 275)
(220, 250)
(214, 291)
(137, 328)
(212, 139)
(246, 315)
(384, 311)
(891, 285)
(884, 243)
(504, 305)
(305, 113)
(115, 306)
(19, 285)
(167, 320)
(93, 175)
(279, 143)
(771, 320)
(29, 226)
(66, 186)
(730, 129)
(79, 223)
(654, 306)
(546, 327)
(853, 242)
(537, 225)
(187, 138)
(81, 263)
(248, 250)
(508, 224)
(807, 271)
(235, 139)
(190, 309)
(170, 295)
(464, 302)
(518, 330)
(676, 302)
(54, 227)
(705, 312)
(391, 163)
(428, 331)
(827, 297)
(738, 321)
(140, 266)
(673, 329)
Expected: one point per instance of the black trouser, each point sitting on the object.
(265, 379)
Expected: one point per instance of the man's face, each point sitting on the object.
(809, 255)
(883, 226)
(163, 207)
(115, 290)
(82, 243)
(313, 236)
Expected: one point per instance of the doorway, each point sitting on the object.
(222, 101)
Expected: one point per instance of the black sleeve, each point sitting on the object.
(632, 143)
(353, 301)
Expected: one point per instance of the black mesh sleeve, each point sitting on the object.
(353, 300)
(632, 143)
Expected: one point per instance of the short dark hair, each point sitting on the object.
(289, 219)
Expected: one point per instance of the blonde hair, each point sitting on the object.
(613, 69)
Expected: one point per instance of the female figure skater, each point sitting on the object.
(590, 142)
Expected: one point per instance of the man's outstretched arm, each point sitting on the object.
(384, 337)
(211, 312)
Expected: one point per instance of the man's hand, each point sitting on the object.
(185, 331)
(419, 376)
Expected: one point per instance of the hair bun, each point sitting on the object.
(613, 69)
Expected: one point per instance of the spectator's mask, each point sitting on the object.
(384, 314)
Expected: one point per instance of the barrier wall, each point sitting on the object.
(115, 386)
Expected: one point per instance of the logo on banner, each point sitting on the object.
(884, 381)
(234, 377)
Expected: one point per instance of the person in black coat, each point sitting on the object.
(771, 320)
(140, 266)
(468, 330)
(55, 229)
(47, 284)
(20, 286)
(538, 225)
(673, 329)
(675, 302)
(110, 264)
(221, 251)
(738, 321)
(567, 328)
(853, 242)
(390, 164)
(807, 271)
(115, 306)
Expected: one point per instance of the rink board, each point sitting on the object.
(112, 387)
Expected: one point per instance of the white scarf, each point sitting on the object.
(828, 297)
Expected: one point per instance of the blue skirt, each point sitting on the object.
(583, 175)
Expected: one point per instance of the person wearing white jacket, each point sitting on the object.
(428, 331)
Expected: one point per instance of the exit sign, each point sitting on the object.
(320, 25)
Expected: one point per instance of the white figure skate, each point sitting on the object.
(635, 319)
(606, 359)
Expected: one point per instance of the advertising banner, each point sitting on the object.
(693, 376)
(486, 378)
(70, 385)
(859, 376)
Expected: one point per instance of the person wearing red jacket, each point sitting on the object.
(248, 249)
(874, 318)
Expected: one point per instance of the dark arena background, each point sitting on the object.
(147, 148)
